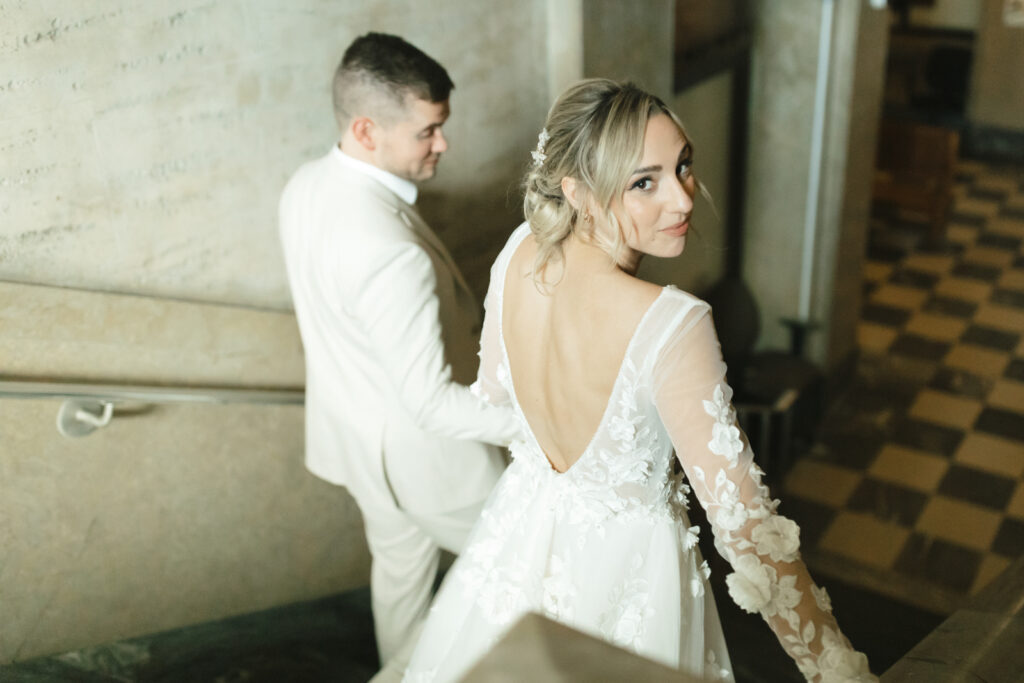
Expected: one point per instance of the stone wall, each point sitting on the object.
(780, 178)
(145, 145)
(143, 150)
(142, 154)
(174, 513)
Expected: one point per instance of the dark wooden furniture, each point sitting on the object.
(914, 170)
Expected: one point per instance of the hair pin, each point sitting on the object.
(538, 154)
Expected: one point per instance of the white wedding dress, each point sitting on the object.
(606, 547)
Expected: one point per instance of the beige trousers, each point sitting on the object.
(406, 551)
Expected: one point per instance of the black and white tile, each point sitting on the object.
(919, 471)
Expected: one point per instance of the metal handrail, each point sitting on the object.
(148, 393)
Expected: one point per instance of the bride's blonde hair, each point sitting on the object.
(595, 135)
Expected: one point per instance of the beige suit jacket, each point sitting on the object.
(387, 324)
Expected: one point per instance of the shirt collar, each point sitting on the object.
(406, 190)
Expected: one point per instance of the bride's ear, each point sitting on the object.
(569, 190)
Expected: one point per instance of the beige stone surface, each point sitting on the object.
(1012, 278)
(1001, 317)
(962, 234)
(779, 173)
(877, 271)
(784, 59)
(168, 517)
(1007, 393)
(909, 467)
(942, 327)
(959, 522)
(1006, 226)
(930, 263)
(172, 514)
(991, 566)
(1015, 507)
(865, 539)
(975, 205)
(541, 650)
(875, 338)
(56, 333)
(989, 256)
(945, 409)
(977, 359)
(964, 288)
(948, 14)
(860, 39)
(155, 167)
(995, 97)
(613, 30)
(900, 296)
(821, 482)
(992, 453)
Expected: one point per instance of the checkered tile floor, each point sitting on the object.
(919, 473)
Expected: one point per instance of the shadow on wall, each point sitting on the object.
(474, 225)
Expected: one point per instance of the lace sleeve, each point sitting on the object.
(768, 575)
(488, 385)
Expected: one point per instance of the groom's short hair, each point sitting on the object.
(379, 72)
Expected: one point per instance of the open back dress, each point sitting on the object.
(606, 547)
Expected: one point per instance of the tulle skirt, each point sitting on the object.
(634, 579)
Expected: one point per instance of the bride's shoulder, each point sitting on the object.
(682, 299)
(638, 293)
(666, 301)
(677, 311)
(512, 244)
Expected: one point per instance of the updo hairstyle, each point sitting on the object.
(595, 136)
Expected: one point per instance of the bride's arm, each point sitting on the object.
(489, 378)
(768, 576)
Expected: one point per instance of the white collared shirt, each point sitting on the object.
(405, 189)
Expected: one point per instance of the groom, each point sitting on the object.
(389, 326)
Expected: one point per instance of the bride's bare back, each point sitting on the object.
(565, 346)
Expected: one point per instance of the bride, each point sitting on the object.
(609, 375)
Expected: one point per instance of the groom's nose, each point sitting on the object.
(440, 142)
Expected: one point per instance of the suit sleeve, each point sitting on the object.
(769, 577)
(397, 305)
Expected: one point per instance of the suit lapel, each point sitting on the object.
(412, 220)
(419, 226)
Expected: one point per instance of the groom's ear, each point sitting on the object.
(364, 131)
(569, 190)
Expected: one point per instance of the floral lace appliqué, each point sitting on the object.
(697, 582)
(725, 435)
(713, 670)
(559, 591)
(625, 622)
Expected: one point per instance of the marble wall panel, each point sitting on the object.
(630, 40)
(55, 333)
(178, 515)
(781, 105)
(855, 105)
(996, 98)
(172, 514)
(144, 146)
(779, 170)
(955, 14)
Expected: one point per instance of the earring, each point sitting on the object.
(587, 217)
